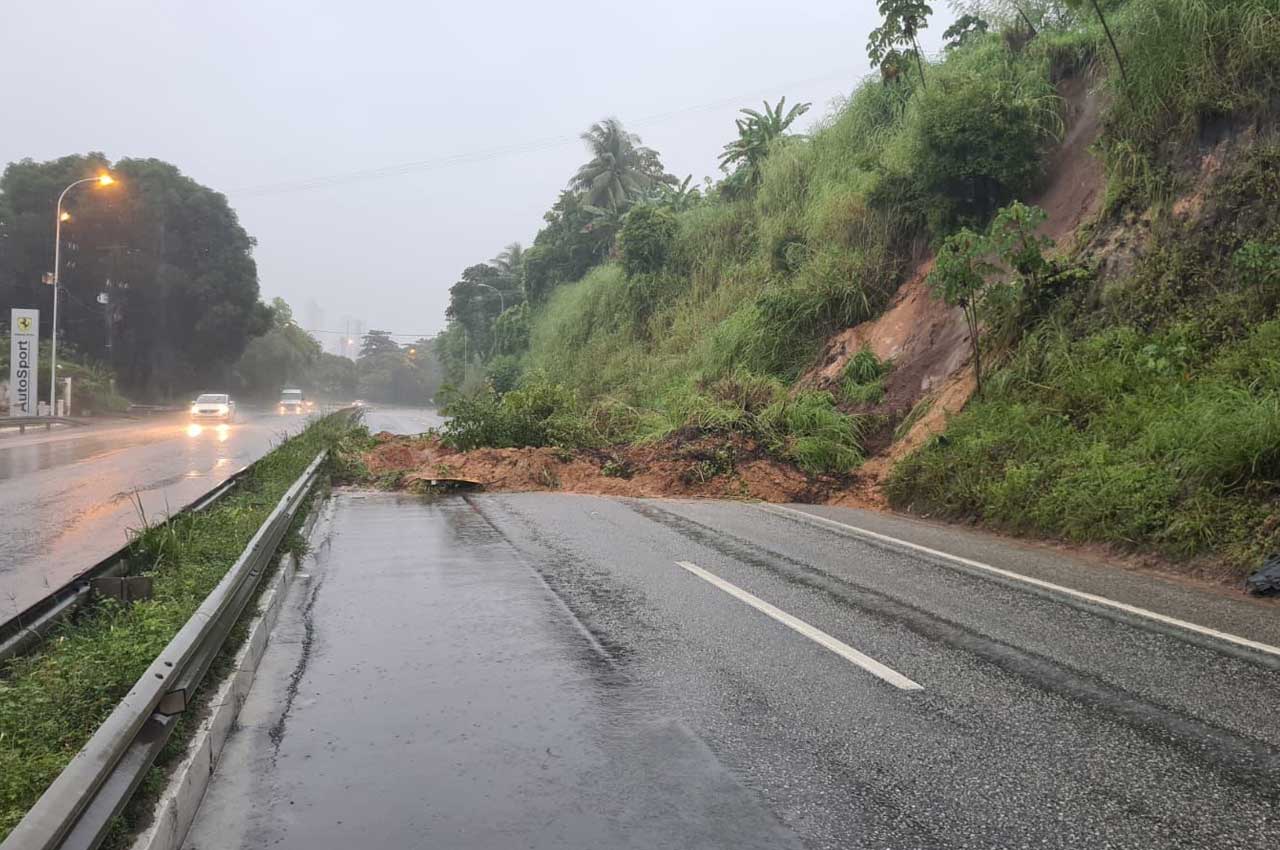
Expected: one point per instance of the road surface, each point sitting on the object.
(69, 498)
(556, 671)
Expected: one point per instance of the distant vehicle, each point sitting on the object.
(215, 406)
(292, 401)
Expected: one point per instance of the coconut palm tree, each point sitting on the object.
(621, 169)
(510, 260)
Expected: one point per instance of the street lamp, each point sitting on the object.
(502, 302)
(103, 179)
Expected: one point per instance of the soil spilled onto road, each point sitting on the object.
(695, 465)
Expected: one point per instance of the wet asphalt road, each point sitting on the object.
(513, 671)
(69, 498)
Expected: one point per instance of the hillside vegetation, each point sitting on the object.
(1131, 378)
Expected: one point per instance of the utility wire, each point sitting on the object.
(341, 178)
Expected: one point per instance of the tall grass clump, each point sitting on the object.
(1190, 64)
(1145, 439)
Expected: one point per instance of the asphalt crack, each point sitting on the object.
(277, 731)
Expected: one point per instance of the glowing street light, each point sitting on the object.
(502, 302)
(103, 179)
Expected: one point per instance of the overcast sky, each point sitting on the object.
(463, 116)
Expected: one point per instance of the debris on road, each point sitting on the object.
(689, 464)
(1265, 580)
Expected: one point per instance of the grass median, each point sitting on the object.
(53, 699)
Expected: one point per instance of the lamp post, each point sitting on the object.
(102, 180)
(502, 302)
(502, 308)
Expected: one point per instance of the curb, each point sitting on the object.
(176, 809)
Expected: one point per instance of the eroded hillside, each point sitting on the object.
(795, 331)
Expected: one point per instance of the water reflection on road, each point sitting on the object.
(70, 498)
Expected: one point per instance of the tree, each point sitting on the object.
(604, 226)
(510, 262)
(284, 356)
(756, 133)
(965, 28)
(564, 249)
(964, 276)
(1034, 14)
(476, 300)
(679, 196)
(959, 278)
(620, 170)
(979, 148)
(646, 239)
(377, 342)
(335, 376)
(903, 20)
(183, 283)
(399, 374)
(1016, 240)
(511, 330)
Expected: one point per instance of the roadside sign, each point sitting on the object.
(24, 352)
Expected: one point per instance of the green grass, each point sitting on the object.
(1145, 410)
(862, 380)
(756, 284)
(1136, 413)
(51, 701)
(1157, 439)
(1190, 63)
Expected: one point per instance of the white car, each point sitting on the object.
(293, 401)
(213, 406)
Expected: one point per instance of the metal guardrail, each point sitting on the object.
(30, 626)
(22, 423)
(27, 628)
(75, 811)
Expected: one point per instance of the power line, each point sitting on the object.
(466, 158)
(366, 333)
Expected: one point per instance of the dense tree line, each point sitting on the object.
(489, 307)
(287, 356)
(170, 255)
(977, 150)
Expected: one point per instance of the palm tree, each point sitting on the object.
(678, 196)
(620, 169)
(510, 260)
(756, 133)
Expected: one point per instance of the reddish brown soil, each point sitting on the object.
(680, 466)
(926, 340)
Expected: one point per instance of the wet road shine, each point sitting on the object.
(431, 691)
(546, 671)
(70, 498)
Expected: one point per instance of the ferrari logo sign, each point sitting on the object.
(24, 342)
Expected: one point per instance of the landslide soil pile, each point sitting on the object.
(693, 465)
